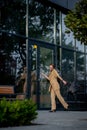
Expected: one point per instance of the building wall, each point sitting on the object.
(70, 53)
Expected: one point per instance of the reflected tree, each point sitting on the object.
(12, 23)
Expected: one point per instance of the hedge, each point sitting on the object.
(17, 113)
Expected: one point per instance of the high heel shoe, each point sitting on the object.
(52, 111)
(67, 109)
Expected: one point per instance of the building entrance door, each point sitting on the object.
(41, 56)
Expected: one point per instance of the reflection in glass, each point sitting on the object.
(68, 65)
(34, 73)
(57, 26)
(67, 68)
(86, 68)
(41, 21)
(80, 70)
(79, 46)
(67, 39)
(46, 58)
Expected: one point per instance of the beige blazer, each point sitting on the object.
(53, 78)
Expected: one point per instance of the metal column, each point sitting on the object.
(85, 69)
(28, 54)
(38, 77)
(75, 75)
(60, 17)
(55, 53)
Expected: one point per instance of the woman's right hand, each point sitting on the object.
(64, 82)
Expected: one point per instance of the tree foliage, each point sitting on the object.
(13, 22)
(12, 47)
(76, 21)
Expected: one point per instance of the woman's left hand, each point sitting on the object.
(64, 82)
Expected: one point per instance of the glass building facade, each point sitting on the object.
(47, 25)
(48, 43)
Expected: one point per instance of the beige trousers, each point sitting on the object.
(57, 93)
(24, 86)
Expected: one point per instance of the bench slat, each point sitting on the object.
(6, 90)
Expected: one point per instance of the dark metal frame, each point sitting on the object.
(39, 44)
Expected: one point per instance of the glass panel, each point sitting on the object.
(67, 39)
(86, 48)
(80, 70)
(86, 69)
(46, 58)
(57, 26)
(79, 46)
(12, 47)
(68, 65)
(86, 72)
(58, 58)
(34, 74)
(67, 68)
(41, 21)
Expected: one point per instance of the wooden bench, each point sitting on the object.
(7, 91)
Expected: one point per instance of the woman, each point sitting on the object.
(55, 88)
(23, 79)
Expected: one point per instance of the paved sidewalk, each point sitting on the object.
(60, 120)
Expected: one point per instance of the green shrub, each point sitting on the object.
(16, 113)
